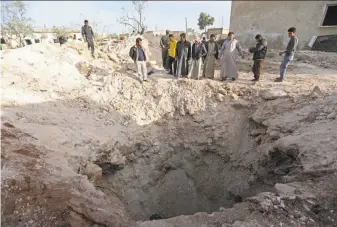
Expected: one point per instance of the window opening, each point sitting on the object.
(330, 17)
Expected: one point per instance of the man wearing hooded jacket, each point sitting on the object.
(259, 52)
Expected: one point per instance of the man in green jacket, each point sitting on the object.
(164, 44)
(88, 36)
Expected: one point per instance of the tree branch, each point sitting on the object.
(135, 22)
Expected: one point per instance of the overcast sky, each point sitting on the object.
(163, 14)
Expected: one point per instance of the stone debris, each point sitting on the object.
(284, 189)
(272, 94)
(220, 97)
(93, 172)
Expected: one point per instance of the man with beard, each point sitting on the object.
(212, 50)
(198, 52)
(183, 55)
(228, 58)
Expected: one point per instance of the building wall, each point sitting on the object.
(163, 32)
(217, 31)
(272, 19)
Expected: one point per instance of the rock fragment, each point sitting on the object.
(93, 172)
(272, 94)
(220, 97)
(284, 189)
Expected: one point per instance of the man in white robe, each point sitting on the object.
(228, 58)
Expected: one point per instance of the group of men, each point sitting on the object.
(177, 56)
(182, 59)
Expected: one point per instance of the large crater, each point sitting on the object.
(191, 165)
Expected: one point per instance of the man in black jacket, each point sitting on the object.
(260, 52)
(198, 52)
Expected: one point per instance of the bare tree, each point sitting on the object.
(60, 31)
(15, 25)
(136, 20)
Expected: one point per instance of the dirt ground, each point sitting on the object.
(85, 143)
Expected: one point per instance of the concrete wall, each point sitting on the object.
(273, 18)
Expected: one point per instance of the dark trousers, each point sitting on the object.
(257, 68)
(91, 45)
(172, 62)
(164, 55)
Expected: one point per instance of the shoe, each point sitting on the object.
(278, 80)
(145, 80)
(233, 79)
(170, 73)
(223, 78)
(255, 80)
(150, 73)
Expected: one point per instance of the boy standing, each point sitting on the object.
(172, 55)
(289, 53)
(260, 52)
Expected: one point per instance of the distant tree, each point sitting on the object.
(205, 20)
(135, 22)
(44, 36)
(14, 23)
(60, 31)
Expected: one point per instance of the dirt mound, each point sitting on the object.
(40, 189)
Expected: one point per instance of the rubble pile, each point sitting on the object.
(84, 143)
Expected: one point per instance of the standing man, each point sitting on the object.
(289, 53)
(204, 42)
(164, 44)
(183, 55)
(228, 57)
(198, 52)
(260, 52)
(88, 36)
(137, 53)
(212, 50)
(172, 55)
